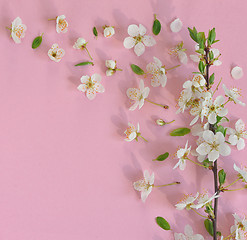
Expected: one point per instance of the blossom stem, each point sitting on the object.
(230, 234)
(168, 69)
(143, 138)
(217, 87)
(163, 106)
(196, 163)
(51, 19)
(88, 53)
(170, 122)
(169, 184)
(119, 69)
(232, 183)
(227, 101)
(199, 213)
(232, 190)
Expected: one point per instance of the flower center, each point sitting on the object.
(138, 38)
(54, 54)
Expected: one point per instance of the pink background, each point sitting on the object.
(65, 170)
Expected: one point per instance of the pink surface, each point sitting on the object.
(65, 171)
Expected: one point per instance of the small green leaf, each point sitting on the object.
(201, 67)
(180, 132)
(211, 79)
(193, 34)
(207, 163)
(156, 26)
(163, 223)
(200, 51)
(211, 36)
(222, 176)
(95, 32)
(162, 157)
(209, 226)
(201, 39)
(137, 70)
(221, 129)
(219, 233)
(84, 64)
(211, 55)
(37, 41)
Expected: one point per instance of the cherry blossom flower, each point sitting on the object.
(187, 202)
(145, 185)
(242, 172)
(214, 145)
(158, 73)
(138, 39)
(176, 25)
(112, 67)
(61, 24)
(233, 94)
(237, 72)
(204, 199)
(18, 30)
(237, 135)
(189, 234)
(179, 52)
(56, 53)
(239, 228)
(196, 57)
(138, 95)
(212, 109)
(81, 44)
(108, 31)
(132, 132)
(182, 155)
(91, 85)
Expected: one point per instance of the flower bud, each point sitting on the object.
(160, 122)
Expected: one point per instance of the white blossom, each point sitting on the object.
(138, 39)
(237, 72)
(216, 53)
(233, 94)
(158, 73)
(188, 234)
(182, 155)
(204, 200)
(237, 135)
(179, 52)
(61, 24)
(18, 30)
(138, 95)
(80, 43)
(109, 31)
(214, 145)
(242, 172)
(112, 67)
(239, 228)
(187, 202)
(131, 132)
(145, 185)
(56, 53)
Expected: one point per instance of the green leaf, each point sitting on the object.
(84, 63)
(211, 36)
(221, 129)
(222, 176)
(207, 163)
(219, 233)
(200, 51)
(193, 34)
(180, 132)
(201, 39)
(162, 157)
(95, 32)
(163, 223)
(37, 41)
(137, 70)
(211, 55)
(211, 79)
(201, 67)
(218, 119)
(209, 226)
(156, 26)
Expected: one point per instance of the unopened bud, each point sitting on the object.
(160, 122)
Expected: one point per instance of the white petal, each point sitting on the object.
(134, 106)
(145, 194)
(182, 56)
(149, 41)
(219, 100)
(194, 120)
(129, 42)
(217, 63)
(110, 64)
(109, 72)
(233, 139)
(145, 92)
(239, 125)
(241, 144)
(212, 118)
(157, 62)
(213, 155)
(139, 49)
(224, 149)
(203, 149)
(142, 30)
(208, 136)
(188, 231)
(222, 111)
(195, 58)
(176, 25)
(237, 72)
(133, 30)
(91, 94)
(82, 88)
(96, 78)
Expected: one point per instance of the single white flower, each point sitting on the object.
(108, 31)
(80, 43)
(91, 85)
(179, 52)
(237, 72)
(112, 67)
(242, 172)
(184, 100)
(145, 185)
(239, 228)
(182, 155)
(214, 145)
(198, 81)
(18, 30)
(204, 200)
(131, 132)
(237, 135)
(233, 94)
(176, 25)
(61, 24)
(216, 53)
(56, 53)
(138, 95)
(187, 202)
(189, 234)
(211, 109)
(138, 39)
(158, 73)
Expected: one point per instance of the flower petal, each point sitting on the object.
(176, 25)
(149, 41)
(139, 49)
(203, 149)
(188, 231)
(91, 93)
(96, 78)
(241, 144)
(224, 149)
(208, 136)
(133, 30)
(142, 30)
(237, 72)
(213, 155)
(182, 56)
(134, 106)
(195, 58)
(129, 42)
(110, 64)
(82, 87)
(133, 94)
